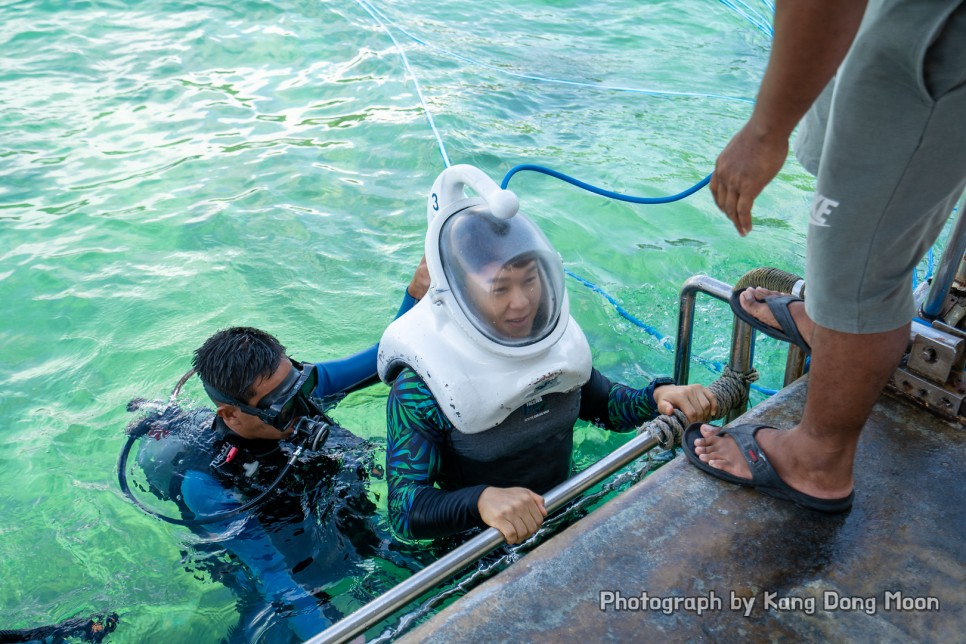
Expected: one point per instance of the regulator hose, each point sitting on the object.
(91, 629)
(211, 518)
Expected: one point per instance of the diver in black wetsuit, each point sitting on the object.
(317, 523)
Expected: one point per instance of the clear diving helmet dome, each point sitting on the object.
(505, 276)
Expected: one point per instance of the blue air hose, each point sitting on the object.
(666, 342)
(738, 6)
(600, 191)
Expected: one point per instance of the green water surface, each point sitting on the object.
(170, 168)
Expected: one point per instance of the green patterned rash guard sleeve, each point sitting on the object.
(615, 406)
(416, 434)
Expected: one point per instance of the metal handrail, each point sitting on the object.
(447, 566)
(948, 266)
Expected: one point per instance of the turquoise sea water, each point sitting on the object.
(170, 168)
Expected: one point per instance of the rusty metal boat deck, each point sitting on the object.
(757, 569)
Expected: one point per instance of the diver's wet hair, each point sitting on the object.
(233, 359)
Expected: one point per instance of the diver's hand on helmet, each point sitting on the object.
(697, 402)
(420, 281)
(515, 511)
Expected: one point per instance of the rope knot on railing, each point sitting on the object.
(730, 390)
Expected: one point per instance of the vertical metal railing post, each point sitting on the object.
(742, 357)
(682, 347)
(794, 364)
(948, 266)
(742, 335)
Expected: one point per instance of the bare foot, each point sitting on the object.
(753, 301)
(721, 453)
(804, 465)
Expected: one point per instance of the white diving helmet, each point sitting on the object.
(496, 266)
(494, 331)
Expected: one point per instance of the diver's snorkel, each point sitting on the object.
(310, 432)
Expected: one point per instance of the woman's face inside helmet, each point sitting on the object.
(504, 274)
(508, 297)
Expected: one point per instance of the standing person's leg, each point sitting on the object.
(847, 376)
(816, 456)
(848, 373)
(893, 166)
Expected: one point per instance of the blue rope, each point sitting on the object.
(664, 341)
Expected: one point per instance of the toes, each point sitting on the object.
(761, 293)
(717, 463)
(751, 297)
(708, 431)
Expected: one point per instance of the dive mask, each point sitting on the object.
(279, 406)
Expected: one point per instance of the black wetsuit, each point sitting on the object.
(312, 531)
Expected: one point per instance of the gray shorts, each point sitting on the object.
(888, 141)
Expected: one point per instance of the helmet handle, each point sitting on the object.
(449, 185)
